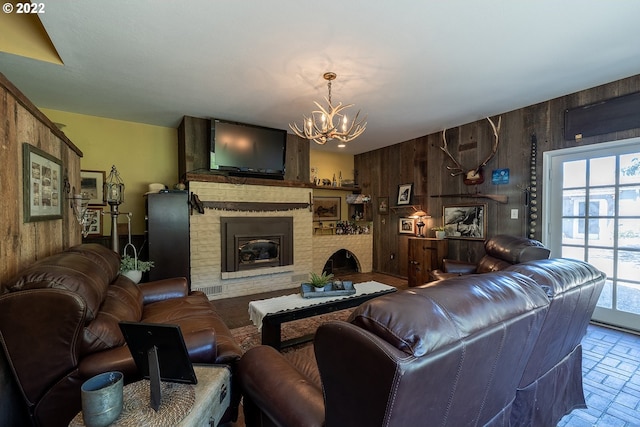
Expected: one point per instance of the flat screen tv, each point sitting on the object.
(247, 150)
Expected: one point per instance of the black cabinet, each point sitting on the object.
(168, 234)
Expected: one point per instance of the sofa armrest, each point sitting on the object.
(41, 322)
(458, 267)
(161, 290)
(279, 390)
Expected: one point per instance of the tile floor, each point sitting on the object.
(611, 381)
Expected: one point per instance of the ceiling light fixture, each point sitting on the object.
(320, 126)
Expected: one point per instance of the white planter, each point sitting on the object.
(440, 234)
(319, 289)
(134, 275)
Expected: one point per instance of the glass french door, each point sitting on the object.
(591, 200)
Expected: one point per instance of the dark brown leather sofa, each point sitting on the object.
(59, 326)
(501, 251)
(468, 350)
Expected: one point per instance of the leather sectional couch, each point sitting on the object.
(495, 349)
(59, 326)
(501, 251)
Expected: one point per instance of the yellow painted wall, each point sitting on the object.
(142, 153)
(329, 163)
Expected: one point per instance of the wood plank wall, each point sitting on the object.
(22, 243)
(421, 162)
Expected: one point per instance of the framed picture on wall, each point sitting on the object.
(383, 205)
(326, 208)
(42, 184)
(404, 194)
(91, 184)
(406, 226)
(467, 221)
(94, 221)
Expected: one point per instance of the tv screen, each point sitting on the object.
(247, 150)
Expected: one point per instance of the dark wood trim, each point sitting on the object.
(255, 206)
(36, 113)
(214, 177)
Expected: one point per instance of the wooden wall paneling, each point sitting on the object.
(10, 188)
(297, 161)
(545, 119)
(193, 145)
(22, 243)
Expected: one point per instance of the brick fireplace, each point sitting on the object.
(309, 252)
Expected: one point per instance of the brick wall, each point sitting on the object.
(310, 253)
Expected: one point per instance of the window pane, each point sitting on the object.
(602, 259)
(603, 171)
(629, 200)
(573, 252)
(572, 202)
(630, 168)
(574, 174)
(573, 231)
(628, 297)
(606, 297)
(629, 265)
(629, 233)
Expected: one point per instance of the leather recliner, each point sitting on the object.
(59, 327)
(501, 251)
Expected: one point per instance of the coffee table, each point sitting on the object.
(269, 315)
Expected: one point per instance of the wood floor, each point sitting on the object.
(235, 311)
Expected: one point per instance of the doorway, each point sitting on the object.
(591, 200)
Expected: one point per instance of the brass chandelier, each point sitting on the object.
(327, 124)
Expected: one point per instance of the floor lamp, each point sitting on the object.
(114, 196)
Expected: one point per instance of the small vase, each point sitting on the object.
(134, 275)
(440, 234)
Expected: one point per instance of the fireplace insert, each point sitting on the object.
(256, 242)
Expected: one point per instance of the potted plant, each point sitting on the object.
(320, 281)
(439, 232)
(133, 268)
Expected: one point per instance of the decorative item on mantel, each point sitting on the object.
(319, 127)
(346, 227)
(357, 199)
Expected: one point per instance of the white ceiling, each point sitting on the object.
(413, 67)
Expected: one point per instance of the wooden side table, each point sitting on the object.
(212, 398)
(425, 254)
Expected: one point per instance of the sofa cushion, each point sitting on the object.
(423, 319)
(555, 280)
(122, 303)
(514, 249)
(75, 272)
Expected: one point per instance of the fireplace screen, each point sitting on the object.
(258, 252)
(254, 242)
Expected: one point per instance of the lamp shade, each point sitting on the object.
(419, 214)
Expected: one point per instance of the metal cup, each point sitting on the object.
(102, 399)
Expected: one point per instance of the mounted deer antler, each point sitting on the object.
(472, 176)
